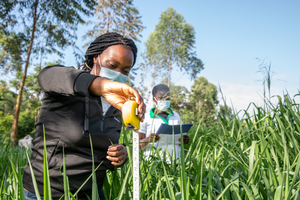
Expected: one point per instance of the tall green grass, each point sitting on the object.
(252, 157)
(12, 162)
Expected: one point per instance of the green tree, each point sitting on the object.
(47, 26)
(11, 49)
(203, 101)
(116, 16)
(179, 98)
(165, 82)
(225, 112)
(149, 66)
(11, 43)
(171, 45)
(178, 95)
(7, 99)
(151, 58)
(7, 102)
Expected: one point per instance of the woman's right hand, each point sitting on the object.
(153, 137)
(144, 141)
(116, 94)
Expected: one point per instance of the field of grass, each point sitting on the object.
(253, 157)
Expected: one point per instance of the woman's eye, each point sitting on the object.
(112, 65)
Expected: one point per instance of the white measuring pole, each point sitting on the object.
(136, 165)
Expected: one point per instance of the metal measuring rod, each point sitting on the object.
(131, 121)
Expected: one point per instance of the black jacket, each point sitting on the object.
(63, 116)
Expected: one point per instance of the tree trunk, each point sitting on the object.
(154, 76)
(170, 61)
(170, 68)
(14, 128)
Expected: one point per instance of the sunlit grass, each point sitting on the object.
(254, 157)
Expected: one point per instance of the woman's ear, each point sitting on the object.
(154, 100)
(95, 59)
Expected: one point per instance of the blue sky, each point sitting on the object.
(230, 35)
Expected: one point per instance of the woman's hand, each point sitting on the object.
(152, 137)
(186, 139)
(117, 154)
(144, 141)
(117, 94)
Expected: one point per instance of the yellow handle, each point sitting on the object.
(129, 114)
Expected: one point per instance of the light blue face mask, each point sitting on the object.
(111, 74)
(163, 105)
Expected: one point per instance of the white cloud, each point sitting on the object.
(240, 96)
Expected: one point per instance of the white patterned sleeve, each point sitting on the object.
(143, 127)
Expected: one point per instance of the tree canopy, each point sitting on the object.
(171, 45)
(116, 16)
(203, 100)
(44, 27)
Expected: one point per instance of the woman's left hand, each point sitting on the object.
(186, 139)
(117, 153)
(116, 94)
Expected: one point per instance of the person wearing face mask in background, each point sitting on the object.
(161, 113)
(79, 105)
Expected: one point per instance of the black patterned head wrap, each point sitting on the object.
(103, 42)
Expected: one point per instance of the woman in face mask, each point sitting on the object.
(161, 113)
(80, 105)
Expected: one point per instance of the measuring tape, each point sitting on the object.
(136, 165)
(130, 119)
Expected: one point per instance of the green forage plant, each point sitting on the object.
(256, 156)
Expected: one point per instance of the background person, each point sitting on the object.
(161, 113)
(79, 103)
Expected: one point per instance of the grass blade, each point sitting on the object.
(47, 187)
